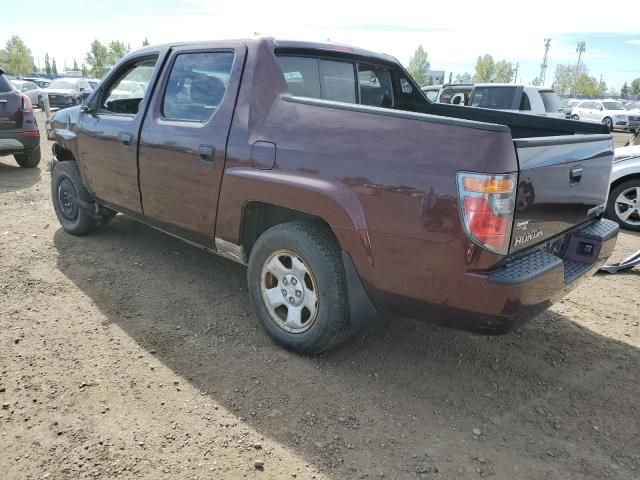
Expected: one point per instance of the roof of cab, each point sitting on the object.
(279, 44)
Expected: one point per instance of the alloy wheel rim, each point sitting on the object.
(627, 206)
(68, 199)
(289, 291)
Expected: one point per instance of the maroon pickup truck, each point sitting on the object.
(344, 190)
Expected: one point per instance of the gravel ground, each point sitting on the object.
(128, 354)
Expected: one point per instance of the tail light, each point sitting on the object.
(487, 204)
(27, 106)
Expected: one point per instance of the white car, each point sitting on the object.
(623, 205)
(31, 90)
(608, 112)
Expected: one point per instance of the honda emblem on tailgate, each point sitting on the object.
(522, 239)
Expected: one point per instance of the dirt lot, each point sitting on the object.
(129, 354)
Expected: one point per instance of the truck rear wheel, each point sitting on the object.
(298, 288)
(70, 198)
(28, 160)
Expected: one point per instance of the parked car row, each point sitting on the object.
(62, 92)
(612, 113)
(499, 96)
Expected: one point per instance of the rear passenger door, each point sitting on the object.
(183, 139)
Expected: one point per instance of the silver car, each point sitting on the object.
(31, 90)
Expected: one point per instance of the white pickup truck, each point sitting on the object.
(502, 96)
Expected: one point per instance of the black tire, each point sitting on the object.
(68, 193)
(28, 160)
(633, 183)
(608, 122)
(315, 246)
(575, 117)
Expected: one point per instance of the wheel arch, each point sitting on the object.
(289, 196)
(624, 178)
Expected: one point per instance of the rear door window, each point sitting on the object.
(302, 75)
(336, 80)
(319, 78)
(500, 98)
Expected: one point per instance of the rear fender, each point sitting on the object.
(328, 199)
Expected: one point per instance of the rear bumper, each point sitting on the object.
(533, 281)
(59, 101)
(16, 141)
(498, 300)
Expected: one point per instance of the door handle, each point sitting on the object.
(206, 154)
(575, 175)
(125, 138)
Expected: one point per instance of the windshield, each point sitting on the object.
(632, 105)
(613, 106)
(63, 84)
(551, 101)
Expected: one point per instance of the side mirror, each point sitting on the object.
(82, 89)
(86, 108)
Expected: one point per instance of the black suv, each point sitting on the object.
(19, 134)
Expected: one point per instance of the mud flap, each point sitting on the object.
(361, 308)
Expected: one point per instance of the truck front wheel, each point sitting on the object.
(70, 199)
(298, 288)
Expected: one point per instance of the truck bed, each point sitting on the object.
(521, 125)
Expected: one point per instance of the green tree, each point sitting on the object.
(98, 59)
(47, 64)
(587, 86)
(624, 91)
(418, 66)
(145, 42)
(566, 77)
(503, 72)
(18, 57)
(54, 68)
(117, 50)
(485, 69)
(75, 65)
(635, 87)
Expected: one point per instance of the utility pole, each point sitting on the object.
(450, 76)
(515, 74)
(582, 46)
(543, 67)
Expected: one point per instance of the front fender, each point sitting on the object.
(64, 125)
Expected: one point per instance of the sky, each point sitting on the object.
(454, 35)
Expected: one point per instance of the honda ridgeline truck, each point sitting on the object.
(344, 190)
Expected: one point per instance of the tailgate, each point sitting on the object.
(563, 182)
(10, 110)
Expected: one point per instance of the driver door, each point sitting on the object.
(108, 135)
